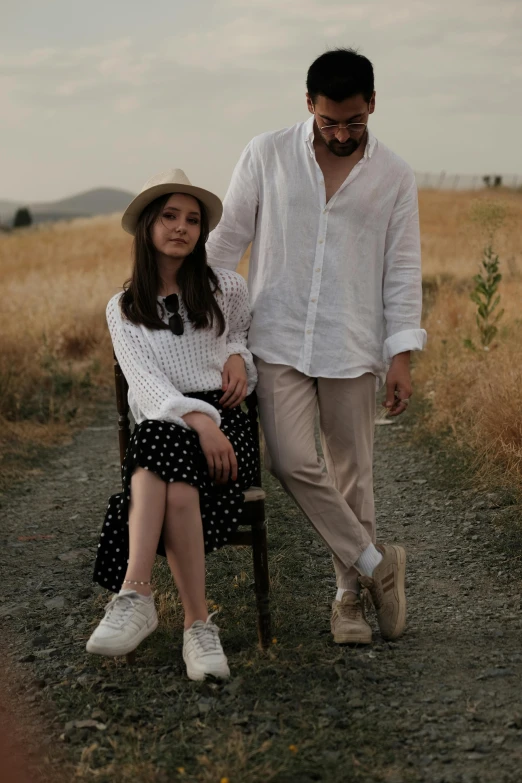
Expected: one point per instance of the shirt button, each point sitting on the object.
(321, 241)
(318, 269)
(308, 331)
(314, 300)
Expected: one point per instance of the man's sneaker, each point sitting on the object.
(348, 622)
(129, 619)
(202, 651)
(386, 587)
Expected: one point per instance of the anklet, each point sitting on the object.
(130, 582)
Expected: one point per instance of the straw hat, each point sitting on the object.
(171, 181)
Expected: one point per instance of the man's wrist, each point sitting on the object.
(401, 358)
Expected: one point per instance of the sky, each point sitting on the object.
(108, 93)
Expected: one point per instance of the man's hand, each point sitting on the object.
(218, 451)
(234, 382)
(398, 384)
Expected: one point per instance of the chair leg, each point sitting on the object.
(262, 585)
(131, 658)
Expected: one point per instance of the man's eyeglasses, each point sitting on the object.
(353, 128)
(171, 303)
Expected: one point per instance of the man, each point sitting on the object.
(335, 283)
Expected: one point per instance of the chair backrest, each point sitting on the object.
(122, 403)
(251, 403)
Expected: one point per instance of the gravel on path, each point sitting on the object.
(441, 705)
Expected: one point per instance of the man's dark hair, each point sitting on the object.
(340, 74)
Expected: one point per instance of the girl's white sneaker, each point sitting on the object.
(129, 619)
(202, 651)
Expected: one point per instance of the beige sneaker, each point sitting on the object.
(386, 588)
(348, 622)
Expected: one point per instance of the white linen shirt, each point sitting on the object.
(335, 287)
(161, 368)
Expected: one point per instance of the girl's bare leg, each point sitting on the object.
(184, 545)
(146, 515)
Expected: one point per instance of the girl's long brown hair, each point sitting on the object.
(197, 281)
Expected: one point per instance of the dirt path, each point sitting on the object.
(442, 705)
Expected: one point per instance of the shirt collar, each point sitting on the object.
(309, 138)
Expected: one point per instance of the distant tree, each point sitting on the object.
(487, 181)
(22, 218)
(497, 183)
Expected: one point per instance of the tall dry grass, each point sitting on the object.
(55, 358)
(55, 354)
(474, 395)
(451, 242)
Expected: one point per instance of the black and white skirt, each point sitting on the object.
(174, 454)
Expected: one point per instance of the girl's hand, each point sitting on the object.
(234, 382)
(218, 451)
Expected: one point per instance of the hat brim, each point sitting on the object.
(211, 202)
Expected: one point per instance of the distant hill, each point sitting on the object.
(99, 201)
(7, 208)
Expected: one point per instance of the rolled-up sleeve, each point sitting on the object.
(156, 397)
(402, 281)
(228, 242)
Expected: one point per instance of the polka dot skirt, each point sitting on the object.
(174, 454)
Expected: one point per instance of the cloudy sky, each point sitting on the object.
(109, 92)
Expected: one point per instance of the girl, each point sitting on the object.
(179, 332)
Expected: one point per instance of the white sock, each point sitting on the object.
(342, 590)
(368, 560)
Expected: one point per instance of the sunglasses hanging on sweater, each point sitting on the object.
(171, 303)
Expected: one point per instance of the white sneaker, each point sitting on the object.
(129, 619)
(202, 651)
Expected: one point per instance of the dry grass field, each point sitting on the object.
(55, 356)
(475, 395)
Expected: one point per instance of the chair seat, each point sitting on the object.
(254, 493)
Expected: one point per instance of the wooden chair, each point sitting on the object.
(254, 511)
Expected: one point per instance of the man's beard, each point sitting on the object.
(342, 150)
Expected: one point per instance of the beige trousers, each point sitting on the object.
(338, 501)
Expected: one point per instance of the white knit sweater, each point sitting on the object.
(161, 367)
